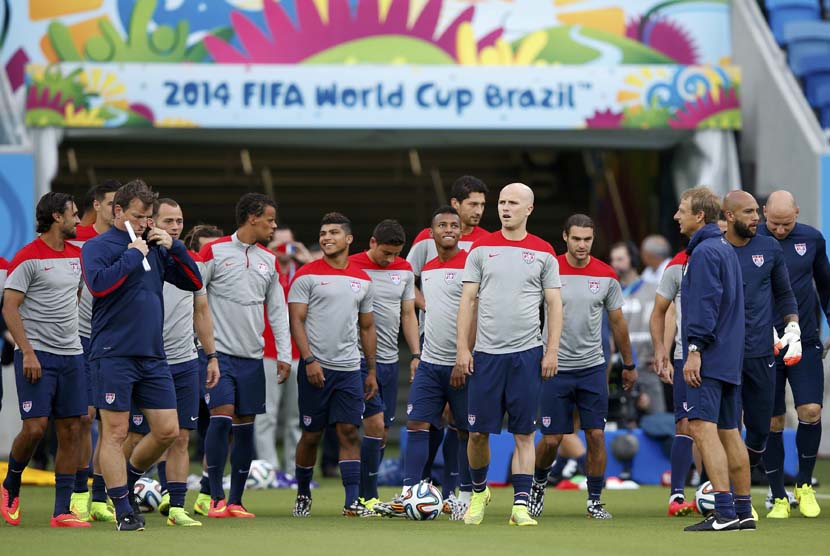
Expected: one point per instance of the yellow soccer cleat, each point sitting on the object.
(520, 517)
(79, 505)
(179, 518)
(807, 503)
(780, 509)
(164, 505)
(202, 504)
(370, 503)
(478, 502)
(100, 511)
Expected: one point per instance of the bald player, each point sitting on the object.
(507, 276)
(805, 254)
(766, 290)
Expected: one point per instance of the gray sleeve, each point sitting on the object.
(300, 290)
(21, 277)
(367, 304)
(409, 287)
(614, 298)
(206, 268)
(278, 318)
(472, 268)
(550, 273)
(417, 257)
(202, 267)
(669, 283)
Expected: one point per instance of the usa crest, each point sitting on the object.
(546, 422)
(109, 397)
(137, 420)
(395, 277)
(593, 285)
(27, 406)
(801, 248)
(75, 266)
(355, 285)
(528, 257)
(758, 260)
(262, 268)
(471, 419)
(307, 420)
(449, 277)
(408, 408)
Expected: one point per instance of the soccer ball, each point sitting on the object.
(148, 493)
(705, 499)
(261, 475)
(423, 502)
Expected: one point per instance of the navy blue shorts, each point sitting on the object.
(583, 389)
(758, 392)
(430, 393)
(340, 400)
(386, 399)
(806, 378)
(679, 392)
(90, 380)
(122, 380)
(715, 401)
(61, 390)
(241, 384)
(185, 377)
(504, 383)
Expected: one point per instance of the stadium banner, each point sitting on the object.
(17, 202)
(347, 32)
(383, 97)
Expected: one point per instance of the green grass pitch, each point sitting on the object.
(639, 527)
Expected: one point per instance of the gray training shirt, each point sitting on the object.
(512, 276)
(179, 346)
(669, 289)
(442, 286)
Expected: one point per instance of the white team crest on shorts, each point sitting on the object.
(207, 397)
(137, 420)
(395, 277)
(262, 268)
(758, 260)
(546, 422)
(471, 419)
(593, 285)
(109, 397)
(449, 277)
(355, 285)
(408, 408)
(801, 248)
(307, 420)
(75, 266)
(27, 406)
(528, 257)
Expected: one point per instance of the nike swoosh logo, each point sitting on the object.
(325, 283)
(228, 264)
(721, 526)
(771, 364)
(372, 474)
(194, 418)
(688, 409)
(491, 255)
(47, 268)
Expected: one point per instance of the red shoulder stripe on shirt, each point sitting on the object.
(594, 269)
(363, 261)
(207, 251)
(423, 235)
(679, 258)
(38, 250)
(457, 261)
(321, 268)
(477, 233)
(497, 239)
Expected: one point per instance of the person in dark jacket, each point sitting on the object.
(126, 345)
(713, 322)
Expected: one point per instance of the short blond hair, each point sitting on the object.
(702, 199)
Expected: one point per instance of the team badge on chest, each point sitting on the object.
(593, 285)
(262, 268)
(528, 257)
(355, 285)
(801, 248)
(75, 266)
(395, 277)
(449, 277)
(758, 260)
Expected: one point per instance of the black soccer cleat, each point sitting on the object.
(716, 522)
(537, 498)
(129, 522)
(302, 506)
(748, 522)
(137, 515)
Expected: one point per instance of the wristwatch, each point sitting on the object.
(629, 367)
(693, 348)
(416, 356)
(309, 360)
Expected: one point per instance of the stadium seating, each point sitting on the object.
(822, 102)
(782, 12)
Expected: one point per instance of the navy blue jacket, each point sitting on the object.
(712, 297)
(805, 253)
(766, 291)
(128, 307)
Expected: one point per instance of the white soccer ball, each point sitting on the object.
(148, 493)
(423, 502)
(261, 475)
(705, 499)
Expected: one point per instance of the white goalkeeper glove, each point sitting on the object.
(791, 339)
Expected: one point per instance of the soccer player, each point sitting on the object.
(507, 275)
(671, 372)
(330, 300)
(127, 353)
(242, 280)
(806, 257)
(766, 288)
(713, 325)
(184, 311)
(98, 510)
(40, 310)
(589, 288)
(393, 284)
